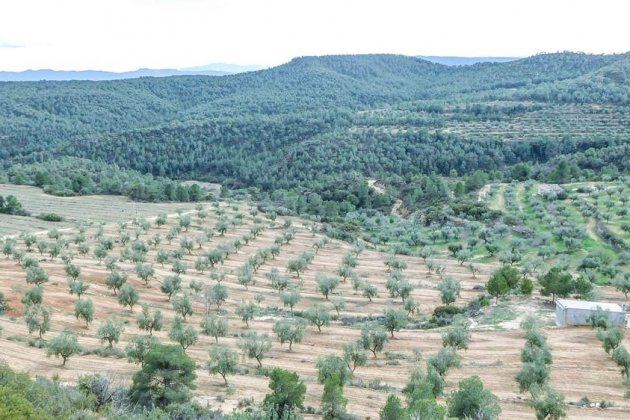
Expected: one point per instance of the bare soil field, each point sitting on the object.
(581, 367)
(84, 209)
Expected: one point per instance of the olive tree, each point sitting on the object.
(373, 337)
(223, 361)
(110, 331)
(185, 335)
(394, 320)
(37, 319)
(214, 326)
(84, 309)
(128, 296)
(449, 289)
(64, 345)
(326, 284)
(290, 331)
(150, 321)
(317, 315)
(255, 345)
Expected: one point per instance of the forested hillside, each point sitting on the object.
(320, 127)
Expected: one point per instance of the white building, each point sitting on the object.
(579, 312)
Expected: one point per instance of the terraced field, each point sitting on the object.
(581, 368)
(85, 209)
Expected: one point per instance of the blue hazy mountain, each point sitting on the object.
(218, 69)
(465, 61)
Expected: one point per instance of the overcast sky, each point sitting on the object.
(120, 35)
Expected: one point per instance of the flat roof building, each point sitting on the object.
(579, 312)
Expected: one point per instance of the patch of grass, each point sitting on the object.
(375, 384)
(391, 355)
(105, 352)
(498, 315)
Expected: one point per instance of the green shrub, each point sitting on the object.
(50, 217)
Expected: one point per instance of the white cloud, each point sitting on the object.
(127, 34)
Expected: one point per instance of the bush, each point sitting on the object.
(50, 217)
(443, 315)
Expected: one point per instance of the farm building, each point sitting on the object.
(579, 312)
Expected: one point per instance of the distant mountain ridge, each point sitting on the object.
(465, 61)
(217, 69)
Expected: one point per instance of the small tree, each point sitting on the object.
(100, 253)
(162, 257)
(287, 394)
(610, 338)
(201, 264)
(84, 309)
(290, 298)
(245, 276)
(410, 306)
(115, 280)
(128, 296)
(247, 311)
(449, 289)
(214, 326)
(297, 266)
(78, 287)
(373, 338)
(556, 283)
(138, 347)
(187, 244)
(33, 296)
(393, 409)
(622, 284)
(333, 403)
(42, 246)
(171, 285)
(317, 315)
(344, 272)
(110, 331)
(186, 336)
(354, 355)
(289, 331)
(255, 345)
(145, 272)
(444, 360)
(64, 345)
(36, 275)
(622, 358)
(196, 286)
(331, 365)
(216, 295)
(326, 284)
(277, 280)
(532, 373)
(339, 304)
(150, 321)
(223, 361)
(473, 401)
(166, 377)
(547, 403)
(73, 271)
(183, 305)
(458, 335)
(394, 320)
(179, 267)
(497, 286)
(37, 319)
(369, 291)
(185, 221)
(161, 219)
